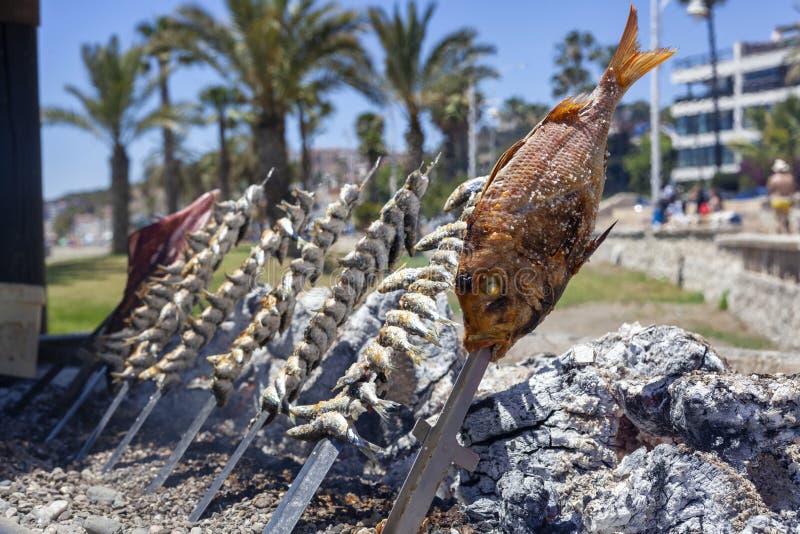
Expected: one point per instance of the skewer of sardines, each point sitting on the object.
(194, 279)
(277, 307)
(113, 349)
(379, 249)
(395, 229)
(200, 330)
(415, 317)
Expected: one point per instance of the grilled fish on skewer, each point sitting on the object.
(196, 275)
(532, 228)
(221, 303)
(398, 216)
(277, 307)
(416, 315)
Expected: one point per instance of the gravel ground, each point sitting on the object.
(41, 491)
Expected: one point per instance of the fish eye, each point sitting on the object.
(493, 285)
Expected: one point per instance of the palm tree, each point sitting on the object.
(270, 50)
(369, 130)
(572, 55)
(111, 111)
(448, 102)
(411, 78)
(312, 110)
(159, 47)
(222, 102)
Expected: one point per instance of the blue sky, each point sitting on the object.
(524, 33)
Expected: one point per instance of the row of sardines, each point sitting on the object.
(164, 317)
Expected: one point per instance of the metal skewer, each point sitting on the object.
(439, 449)
(129, 435)
(87, 388)
(252, 432)
(123, 391)
(303, 488)
(182, 445)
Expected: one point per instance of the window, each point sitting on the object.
(765, 79)
(703, 123)
(703, 156)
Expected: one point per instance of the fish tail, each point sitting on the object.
(629, 63)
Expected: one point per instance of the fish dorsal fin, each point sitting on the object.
(503, 161)
(568, 108)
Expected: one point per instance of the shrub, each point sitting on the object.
(365, 213)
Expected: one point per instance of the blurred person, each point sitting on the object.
(780, 191)
(702, 200)
(715, 201)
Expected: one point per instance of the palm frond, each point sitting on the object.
(58, 116)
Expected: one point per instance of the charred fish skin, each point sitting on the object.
(220, 304)
(196, 275)
(384, 242)
(532, 228)
(277, 307)
(416, 315)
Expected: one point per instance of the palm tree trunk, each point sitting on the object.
(170, 163)
(460, 136)
(372, 194)
(305, 155)
(415, 139)
(120, 198)
(269, 136)
(224, 161)
(450, 153)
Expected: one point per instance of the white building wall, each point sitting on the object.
(738, 102)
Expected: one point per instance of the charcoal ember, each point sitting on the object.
(675, 489)
(642, 430)
(736, 416)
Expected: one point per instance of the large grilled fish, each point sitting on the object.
(532, 228)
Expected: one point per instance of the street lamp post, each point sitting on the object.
(655, 111)
(704, 9)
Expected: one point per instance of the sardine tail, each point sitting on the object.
(629, 63)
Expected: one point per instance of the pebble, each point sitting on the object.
(262, 501)
(8, 526)
(96, 524)
(102, 494)
(46, 514)
(4, 505)
(5, 487)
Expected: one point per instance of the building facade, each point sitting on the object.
(750, 75)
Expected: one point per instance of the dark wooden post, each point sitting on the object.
(21, 206)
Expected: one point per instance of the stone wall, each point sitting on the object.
(707, 263)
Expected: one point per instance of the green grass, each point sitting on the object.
(744, 341)
(606, 283)
(82, 292)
